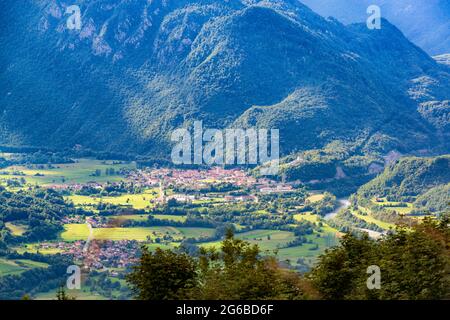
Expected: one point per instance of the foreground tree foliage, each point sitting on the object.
(414, 264)
(237, 271)
(163, 275)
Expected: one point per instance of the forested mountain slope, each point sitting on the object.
(137, 70)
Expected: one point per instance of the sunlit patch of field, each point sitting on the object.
(170, 217)
(130, 217)
(316, 219)
(307, 216)
(267, 240)
(154, 246)
(74, 232)
(212, 200)
(369, 219)
(7, 155)
(261, 211)
(144, 217)
(79, 172)
(394, 205)
(137, 201)
(16, 229)
(9, 267)
(310, 251)
(402, 210)
(17, 266)
(315, 198)
(34, 248)
(196, 232)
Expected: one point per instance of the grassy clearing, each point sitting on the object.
(137, 201)
(31, 264)
(74, 232)
(34, 248)
(144, 217)
(402, 210)
(12, 267)
(196, 232)
(130, 217)
(313, 218)
(9, 267)
(215, 200)
(265, 239)
(170, 217)
(307, 216)
(394, 205)
(16, 229)
(315, 198)
(79, 172)
(369, 219)
(309, 250)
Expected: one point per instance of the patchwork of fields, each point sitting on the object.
(12, 267)
(74, 232)
(126, 223)
(82, 171)
(137, 201)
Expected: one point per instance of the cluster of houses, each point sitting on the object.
(108, 254)
(199, 179)
(193, 178)
(99, 255)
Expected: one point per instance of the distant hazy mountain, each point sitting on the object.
(425, 22)
(138, 69)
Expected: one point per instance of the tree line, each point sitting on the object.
(414, 264)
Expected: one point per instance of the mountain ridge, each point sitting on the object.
(121, 86)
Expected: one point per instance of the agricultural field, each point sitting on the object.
(136, 201)
(34, 248)
(170, 217)
(267, 240)
(308, 250)
(74, 232)
(315, 198)
(82, 171)
(196, 232)
(307, 216)
(11, 267)
(144, 217)
(394, 206)
(16, 229)
(369, 219)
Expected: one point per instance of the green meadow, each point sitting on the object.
(12, 267)
(369, 219)
(16, 229)
(307, 216)
(34, 248)
(144, 217)
(137, 201)
(79, 172)
(74, 232)
(267, 240)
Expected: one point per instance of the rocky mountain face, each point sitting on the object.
(139, 69)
